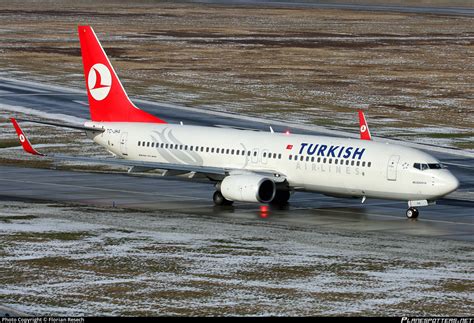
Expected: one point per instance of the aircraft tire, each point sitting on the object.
(220, 200)
(281, 197)
(412, 213)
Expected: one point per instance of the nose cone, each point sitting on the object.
(450, 182)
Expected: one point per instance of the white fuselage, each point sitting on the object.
(329, 165)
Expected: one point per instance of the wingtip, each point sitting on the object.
(25, 143)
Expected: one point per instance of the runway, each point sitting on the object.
(90, 243)
(452, 218)
(451, 10)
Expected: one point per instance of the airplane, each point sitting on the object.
(363, 127)
(244, 165)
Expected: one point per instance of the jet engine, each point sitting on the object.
(248, 188)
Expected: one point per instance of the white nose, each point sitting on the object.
(450, 183)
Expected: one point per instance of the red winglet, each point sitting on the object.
(364, 127)
(24, 141)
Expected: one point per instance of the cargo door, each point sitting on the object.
(123, 143)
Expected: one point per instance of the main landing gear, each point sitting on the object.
(412, 213)
(281, 197)
(220, 200)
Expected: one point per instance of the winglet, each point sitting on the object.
(364, 127)
(24, 141)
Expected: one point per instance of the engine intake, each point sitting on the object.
(248, 188)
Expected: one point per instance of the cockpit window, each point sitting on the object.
(422, 166)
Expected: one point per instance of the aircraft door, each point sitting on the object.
(254, 155)
(123, 143)
(265, 155)
(392, 168)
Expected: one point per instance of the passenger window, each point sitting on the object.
(352, 163)
(274, 155)
(289, 157)
(191, 148)
(330, 160)
(264, 154)
(324, 160)
(185, 147)
(369, 164)
(237, 152)
(358, 163)
(227, 151)
(148, 144)
(301, 158)
(363, 164)
(335, 161)
(347, 162)
(255, 154)
(319, 159)
(312, 159)
(232, 151)
(307, 158)
(181, 147)
(139, 143)
(279, 156)
(212, 149)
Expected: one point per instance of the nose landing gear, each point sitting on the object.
(412, 213)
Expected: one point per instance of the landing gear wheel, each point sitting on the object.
(412, 213)
(220, 200)
(281, 197)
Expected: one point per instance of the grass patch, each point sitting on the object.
(45, 236)
(277, 273)
(9, 219)
(49, 262)
(8, 143)
(458, 286)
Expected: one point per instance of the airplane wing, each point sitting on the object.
(364, 127)
(141, 165)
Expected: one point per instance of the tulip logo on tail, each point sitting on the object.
(99, 81)
(363, 128)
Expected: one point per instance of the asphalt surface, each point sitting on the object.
(439, 10)
(452, 218)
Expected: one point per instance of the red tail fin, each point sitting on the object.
(108, 100)
(364, 127)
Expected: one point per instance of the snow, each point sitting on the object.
(173, 264)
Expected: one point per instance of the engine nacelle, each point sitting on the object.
(248, 188)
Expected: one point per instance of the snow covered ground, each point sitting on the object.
(66, 260)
